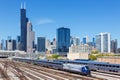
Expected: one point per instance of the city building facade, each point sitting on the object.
(41, 44)
(110, 59)
(75, 41)
(14, 44)
(30, 38)
(85, 40)
(63, 39)
(103, 43)
(114, 45)
(10, 44)
(23, 24)
(18, 43)
(82, 48)
(81, 51)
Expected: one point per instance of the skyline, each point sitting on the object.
(77, 15)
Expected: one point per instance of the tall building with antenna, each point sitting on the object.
(23, 24)
(27, 34)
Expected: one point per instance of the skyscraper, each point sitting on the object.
(18, 43)
(63, 39)
(30, 38)
(23, 23)
(54, 42)
(93, 42)
(48, 44)
(14, 44)
(2, 44)
(41, 44)
(9, 44)
(85, 40)
(114, 45)
(103, 42)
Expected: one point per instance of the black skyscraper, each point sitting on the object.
(63, 39)
(41, 44)
(24, 21)
(14, 44)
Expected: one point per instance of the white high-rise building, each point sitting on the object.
(48, 43)
(30, 37)
(103, 42)
(9, 45)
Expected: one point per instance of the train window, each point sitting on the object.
(116, 71)
(106, 65)
(97, 64)
(110, 70)
(87, 67)
(117, 66)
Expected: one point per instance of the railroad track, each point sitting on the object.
(26, 71)
(3, 74)
(115, 77)
(57, 72)
(14, 69)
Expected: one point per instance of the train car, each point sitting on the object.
(26, 60)
(64, 66)
(96, 66)
(58, 65)
(49, 64)
(76, 68)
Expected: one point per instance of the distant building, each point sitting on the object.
(23, 24)
(90, 43)
(93, 42)
(82, 48)
(41, 44)
(85, 39)
(30, 38)
(81, 51)
(18, 43)
(103, 42)
(9, 44)
(63, 39)
(110, 59)
(118, 50)
(75, 41)
(14, 45)
(114, 46)
(54, 42)
(2, 45)
(51, 46)
(48, 43)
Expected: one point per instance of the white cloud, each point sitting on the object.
(45, 21)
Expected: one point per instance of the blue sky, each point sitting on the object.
(83, 17)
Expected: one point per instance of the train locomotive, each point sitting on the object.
(79, 69)
(96, 66)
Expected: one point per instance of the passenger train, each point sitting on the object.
(80, 69)
(96, 66)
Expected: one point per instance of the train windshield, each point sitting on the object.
(87, 67)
